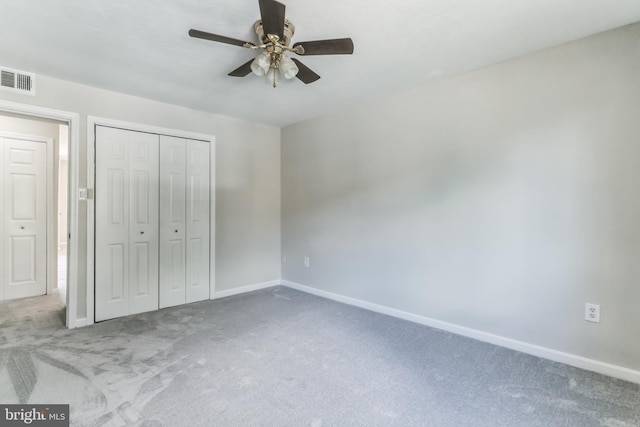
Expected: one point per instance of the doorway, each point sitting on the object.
(35, 186)
(76, 295)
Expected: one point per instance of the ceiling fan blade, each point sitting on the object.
(242, 70)
(272, 14)
(305, 74)
(217, 38)
(326, 47)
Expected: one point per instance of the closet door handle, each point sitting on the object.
(22, 227)
(142, 232)
(175, 231)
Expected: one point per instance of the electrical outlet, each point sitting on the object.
(306, 261)
(592, 313)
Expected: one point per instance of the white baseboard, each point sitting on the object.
(247, 288)
(80, 323)
(535, 350)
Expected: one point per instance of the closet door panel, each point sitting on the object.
(126, 270)
(172, 221)
(197, 204)
(112, 224)
(144, 222)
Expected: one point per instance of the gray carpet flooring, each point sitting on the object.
(279, 357)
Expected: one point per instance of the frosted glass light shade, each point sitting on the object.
(272, 77)
(288, 68)
(260, 65)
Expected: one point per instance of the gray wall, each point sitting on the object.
(247, 174)
(501, 200)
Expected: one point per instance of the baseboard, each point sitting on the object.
(524, 347)
(243, 289)
(80, 323)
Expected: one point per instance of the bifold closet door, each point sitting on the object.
(127, 222)
(173, 166)
(198, 217)
(23, 223)
(184, 221)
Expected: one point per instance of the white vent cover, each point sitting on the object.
(17, 81)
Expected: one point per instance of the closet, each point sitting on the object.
(23, 222)
(152, 222)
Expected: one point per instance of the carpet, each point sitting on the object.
(280, 357)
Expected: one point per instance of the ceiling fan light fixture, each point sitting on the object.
(288, 68)
(274, 33)
(272, 77)
(260, 66)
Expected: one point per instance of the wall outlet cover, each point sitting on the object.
(592, 312)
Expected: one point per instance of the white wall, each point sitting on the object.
(62, 208)
(501, 200)
(247, 196)
(23, 125)
(63, 185)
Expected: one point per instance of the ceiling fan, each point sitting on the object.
(274, 36)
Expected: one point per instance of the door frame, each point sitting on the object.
(92, 122)
(73, 200)
(51, 231)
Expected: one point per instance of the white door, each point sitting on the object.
(172, 221)
(197, 220)
(127, 222)
(184, 221)
(23, 223)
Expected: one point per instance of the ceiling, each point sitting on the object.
(142, 47)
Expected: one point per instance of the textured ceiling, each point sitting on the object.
(142, 48)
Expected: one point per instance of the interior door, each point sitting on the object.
(127, 222)
(24, 222)
(197, 220)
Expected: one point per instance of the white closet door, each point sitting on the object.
(144, 222)
(197, 220)
(172, 221)
(126, 222)
(184, 221)
(24, 229)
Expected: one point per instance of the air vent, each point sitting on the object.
(17, 81)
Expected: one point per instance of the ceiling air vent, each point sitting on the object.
(17, 81)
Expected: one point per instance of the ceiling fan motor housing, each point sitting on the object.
(289, 29)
